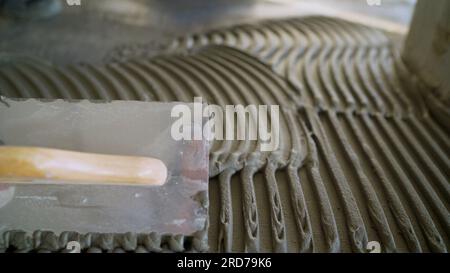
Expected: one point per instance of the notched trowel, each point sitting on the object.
(101, 167)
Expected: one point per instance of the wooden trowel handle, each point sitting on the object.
(25, 163)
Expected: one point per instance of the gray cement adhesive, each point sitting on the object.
(361, 157)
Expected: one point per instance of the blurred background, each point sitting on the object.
(96, 31)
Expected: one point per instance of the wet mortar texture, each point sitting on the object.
(360, 158)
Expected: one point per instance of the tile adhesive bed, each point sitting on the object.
(361, 156)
